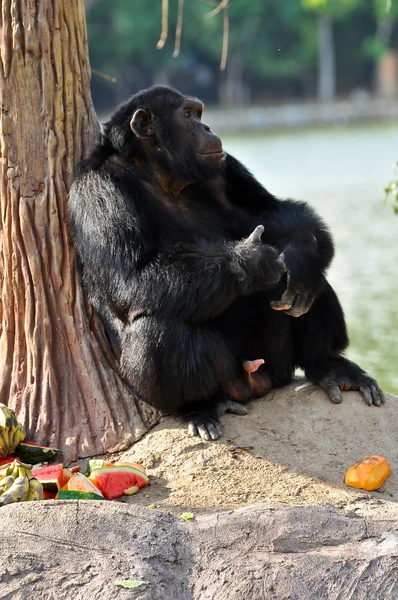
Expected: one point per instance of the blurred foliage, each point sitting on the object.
(385, 8)
(391, 191)
(274, 43)
(337, 9)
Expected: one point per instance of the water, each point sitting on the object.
(341, 171)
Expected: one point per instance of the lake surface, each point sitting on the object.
(342, 171)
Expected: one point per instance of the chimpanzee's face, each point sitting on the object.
(197, 137)
(176, 138)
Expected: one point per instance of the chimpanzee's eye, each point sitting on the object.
(187, 112)
(199, 114)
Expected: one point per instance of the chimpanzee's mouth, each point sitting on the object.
(214, 153)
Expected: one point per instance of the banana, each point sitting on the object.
(5, 439)
(3, 450)
(35, 490)
(6, 483)
(4, 471)
(18, 492)
(11, 432)
(19, 435)
(6, 417)
(3, 414)
(17, 484)
(14, 469)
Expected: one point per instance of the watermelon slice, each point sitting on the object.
(116, 481)
(99, 463)
(78, 495)
(53, 477)
(32, 453)
(82, 483)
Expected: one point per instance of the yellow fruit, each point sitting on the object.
(35, 490)
(6, 483)
(11, 432)
(18, 492)
(368, 474)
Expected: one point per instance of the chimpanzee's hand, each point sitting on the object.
(256, 263)
(296, 300)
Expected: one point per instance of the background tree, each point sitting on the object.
(379, 46)
(327, 12)
(56, 367)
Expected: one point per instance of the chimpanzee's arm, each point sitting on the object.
(134, 267)
(294, 228)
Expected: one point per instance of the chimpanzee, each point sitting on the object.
(214, 289)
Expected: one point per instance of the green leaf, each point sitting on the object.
(187, 516)
(151, 506)
(129, 584)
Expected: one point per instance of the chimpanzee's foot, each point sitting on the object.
(204, 420)
(339, 375)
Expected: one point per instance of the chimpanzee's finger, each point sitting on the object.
(202, 430)
(381, 395)
(255, 236)
(212, 429)
(236, 408)
(286, 302)
(377, 396)
(280, 305)
(219, 428)
(192, 429)
(366, 392)
(299, 306)
(331, 387)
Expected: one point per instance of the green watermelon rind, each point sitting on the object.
(78, 495)
(33, 454)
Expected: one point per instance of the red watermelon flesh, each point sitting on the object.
(52, 477)
(8, 459)
(113, 481)
(47, 495)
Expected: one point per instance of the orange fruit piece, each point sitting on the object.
(368, 474)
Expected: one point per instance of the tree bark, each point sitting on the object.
(57, 370)
(326, 59)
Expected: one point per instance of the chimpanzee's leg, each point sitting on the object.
(320, 337)
(265, 334)
(184, 370)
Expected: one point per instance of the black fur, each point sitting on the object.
(162, 236)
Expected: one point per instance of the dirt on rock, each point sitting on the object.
(293, 447)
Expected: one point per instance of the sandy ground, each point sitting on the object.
(298, 531)
(293, 447)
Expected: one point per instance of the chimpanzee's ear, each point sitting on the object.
(141, 124)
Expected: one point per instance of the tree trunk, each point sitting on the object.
(233, 91)
(57, 370)
(326, 59)
(387, 64)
